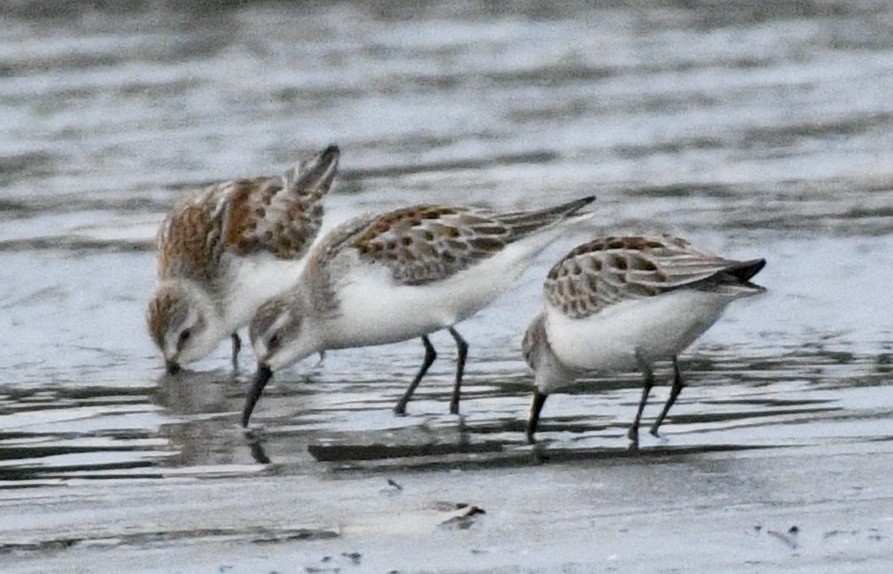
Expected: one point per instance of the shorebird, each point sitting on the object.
(619, 304)
(394, 276)
(229, 248)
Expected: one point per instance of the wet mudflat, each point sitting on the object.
(750, 131)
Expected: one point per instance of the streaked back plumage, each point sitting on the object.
(428, 243)
(608, 270)
(276, 215)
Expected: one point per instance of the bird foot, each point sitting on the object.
(633, 435)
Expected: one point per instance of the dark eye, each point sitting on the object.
(274, 341)
(184, 336)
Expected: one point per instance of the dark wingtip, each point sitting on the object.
(316, 174)
(744, 270)
(331, 150)
(579, 204)
(263, 376)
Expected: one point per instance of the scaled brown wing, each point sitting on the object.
(609, 270)
(430, 243)
(260, 217)
(189, 238)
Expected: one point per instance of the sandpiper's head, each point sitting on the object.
(548, 372)
(279, 337)
(277, 332)
(534, 341)
(180, 322)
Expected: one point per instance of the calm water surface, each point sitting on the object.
(751, 131)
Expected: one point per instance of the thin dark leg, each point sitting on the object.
(237, 346)
(462, 346)
(257, 449)
(678, 384)
(536, 406)
(633, 433)
(430, 355)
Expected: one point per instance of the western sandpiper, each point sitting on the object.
(229, 248)
(621, 303)
(399, 275)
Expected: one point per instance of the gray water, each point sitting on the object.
(753, 131)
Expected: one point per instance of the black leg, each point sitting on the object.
(678, 384)
(462, 346)
(237, 346)
(430, 355)
(256, 447)
(536, 406)
(633, 433)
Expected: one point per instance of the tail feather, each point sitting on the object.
(314, 176)
(734, 280)
(745, 270)
(525, 222)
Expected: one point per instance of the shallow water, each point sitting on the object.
(753, 132)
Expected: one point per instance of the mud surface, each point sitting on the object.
(752, 131)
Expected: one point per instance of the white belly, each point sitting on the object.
(652, 329)
(375, 311)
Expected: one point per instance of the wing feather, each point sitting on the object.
(430, 243)
(189, 238)
(606, 271)
(280, 215)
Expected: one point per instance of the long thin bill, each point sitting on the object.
(263, 376)
(539, 399)
(172, 367)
